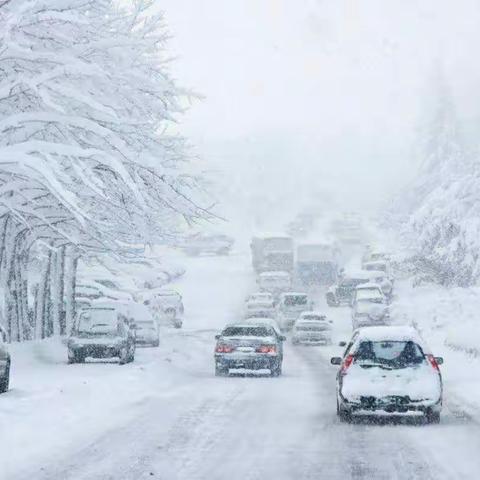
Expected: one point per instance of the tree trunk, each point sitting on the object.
(58, 290)
(71, 263)
(41, 320)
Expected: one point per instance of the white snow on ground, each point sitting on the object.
(166, 416)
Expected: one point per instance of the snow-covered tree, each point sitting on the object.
(86, 160)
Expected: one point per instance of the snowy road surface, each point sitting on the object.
(167, 417)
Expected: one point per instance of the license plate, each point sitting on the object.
(245, 349)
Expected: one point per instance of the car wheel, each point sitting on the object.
(432, 417)
(156, 343)
(276, 369)
(221, 371)
(123, 356)
(177, 324)
(344, 415)
(5, 381)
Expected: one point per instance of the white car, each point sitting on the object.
(312, 328)
(290, 305)
(265, 309)
(366, 313)
(388, 371)
(167, 307)
(369, 292)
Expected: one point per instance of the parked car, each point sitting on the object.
(370, 292)
(274, 282)
(5, 361)
(343, 292)
(312, 328)
(388, 371)
(101, 333)
(366, 313)
(249, 345)
(290, 306)
(167, 306)
(145, 326)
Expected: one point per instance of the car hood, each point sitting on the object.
(419, 383)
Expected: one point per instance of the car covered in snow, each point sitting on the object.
(366, 313)
(343, 292)
(312, 328)
(379, 266)
(388, 371)
(249, 345)
(369, 292)
(167, 306)
(145, 326)
(101, 333)
(274, 282)
(289, 307)
(260, 309)
(4, 361)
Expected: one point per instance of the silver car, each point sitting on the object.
(312, 331)
(4, 362)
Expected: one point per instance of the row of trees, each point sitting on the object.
(439, 212)
(87, 163)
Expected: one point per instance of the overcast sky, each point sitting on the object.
(329, 91)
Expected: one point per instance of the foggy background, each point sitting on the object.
(317, 99)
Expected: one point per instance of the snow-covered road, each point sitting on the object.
(166, 416)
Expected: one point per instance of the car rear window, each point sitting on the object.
(393, 354)
(295, 300)
(247, 332)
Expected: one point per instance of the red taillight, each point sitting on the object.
(267, 349)
(223, 349)
(346, 364)
(433, 362)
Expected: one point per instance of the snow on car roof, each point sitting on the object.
(375, 262)
(392, 333)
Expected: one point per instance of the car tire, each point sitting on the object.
(123, 356)
(344, 415)
(276, 369)
(177, 324)
(221, 371)
(77, 357)
(5, 381)
(432, 417)
(156, 344)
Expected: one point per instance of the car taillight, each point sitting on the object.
(267, 349)
(223, 349)
(346, 364)
(433, 362)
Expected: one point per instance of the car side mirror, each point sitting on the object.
(342, 344)
(439, 360)
(217, 337)
(283, 338)
(336, 360)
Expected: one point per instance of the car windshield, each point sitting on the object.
(98, 322)
(295, 300)
(247, 331)
(390, 354)
(314, 317)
